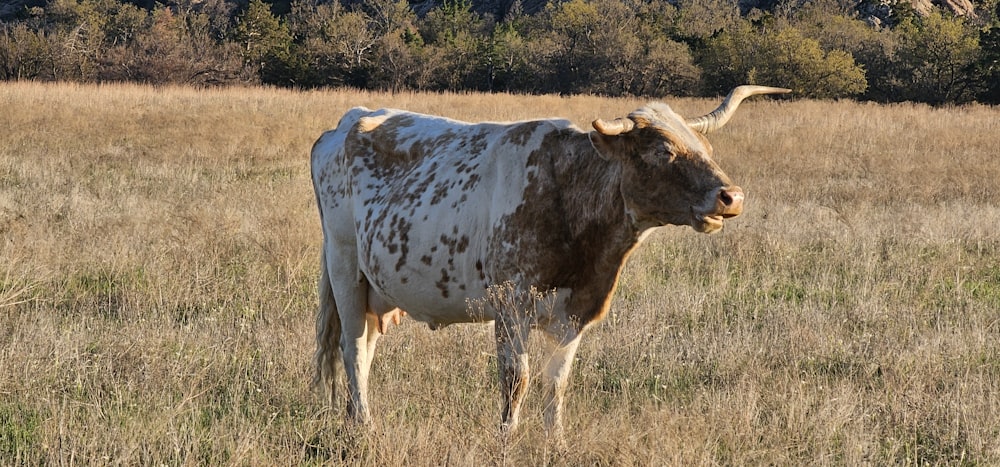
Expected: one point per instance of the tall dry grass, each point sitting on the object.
(158, 260)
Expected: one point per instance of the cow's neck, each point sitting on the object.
(600, 233)
(590, 191)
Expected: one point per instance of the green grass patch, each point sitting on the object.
(19, 433)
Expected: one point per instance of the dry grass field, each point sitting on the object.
(159, 255)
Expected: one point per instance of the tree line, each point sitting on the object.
(819, 48)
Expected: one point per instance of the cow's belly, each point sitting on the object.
(425, 299)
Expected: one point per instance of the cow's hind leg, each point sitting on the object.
(371, 338)
(512, 364)
(373, 330)
(359, 333)
(357, 341)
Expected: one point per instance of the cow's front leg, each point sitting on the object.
(556, 377)
(512, 364)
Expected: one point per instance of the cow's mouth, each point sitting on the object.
(706, 223)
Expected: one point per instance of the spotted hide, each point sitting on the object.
(426, 214)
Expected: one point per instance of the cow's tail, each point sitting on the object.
(328, 353)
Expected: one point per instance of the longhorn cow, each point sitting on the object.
(425, 214)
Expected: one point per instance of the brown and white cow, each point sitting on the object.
(425, 214)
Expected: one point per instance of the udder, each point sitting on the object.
(383, 312)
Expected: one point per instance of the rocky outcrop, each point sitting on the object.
(958, 7)
(881, 13)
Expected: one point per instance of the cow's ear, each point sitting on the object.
(608, 136)
(608, 147)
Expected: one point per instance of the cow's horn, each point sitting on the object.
(719, 117)
(614, 127)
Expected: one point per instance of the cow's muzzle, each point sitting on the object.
(729, 202)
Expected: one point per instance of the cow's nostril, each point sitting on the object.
(725, 197)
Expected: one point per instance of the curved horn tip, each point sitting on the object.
(614, 127)
(718, 117)
(748, 90)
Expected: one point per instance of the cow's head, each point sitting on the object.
(668, 175)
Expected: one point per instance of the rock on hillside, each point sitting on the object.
(958, 7)
(880, 12)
